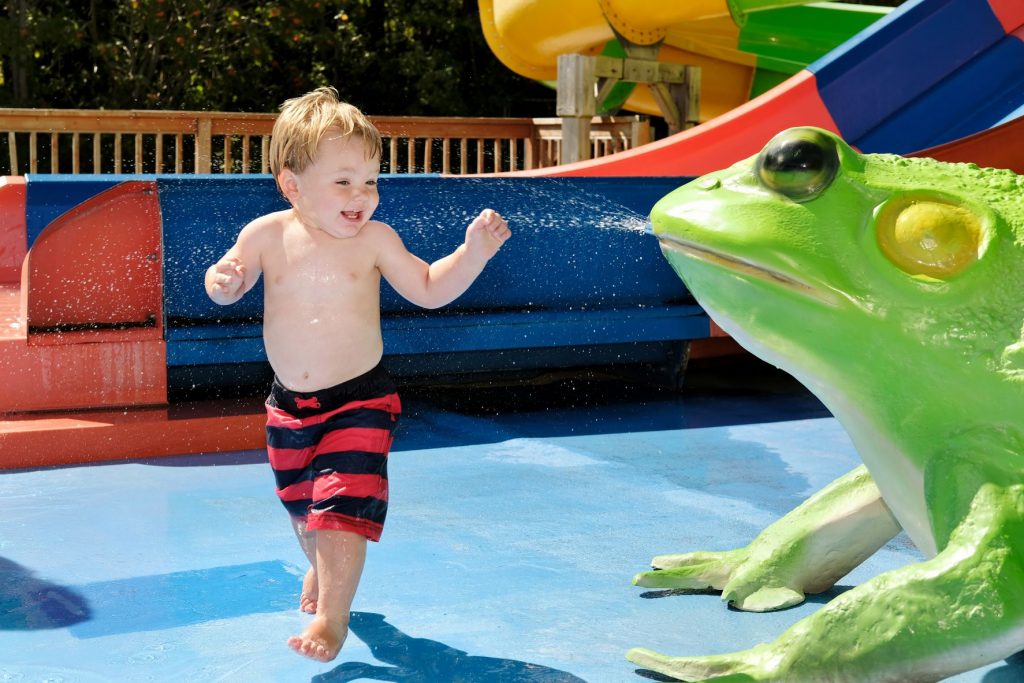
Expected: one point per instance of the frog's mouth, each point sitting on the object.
(738, 265)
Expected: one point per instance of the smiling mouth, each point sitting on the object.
(351, 215)
(738, 265)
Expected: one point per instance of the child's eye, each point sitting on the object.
(342, 182)
(372, 182)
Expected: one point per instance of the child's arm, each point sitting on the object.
(237, 271)
(441, 282)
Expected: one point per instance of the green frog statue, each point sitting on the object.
(893, 289)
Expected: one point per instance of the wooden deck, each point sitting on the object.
(141, 141)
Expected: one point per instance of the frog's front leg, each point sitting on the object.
(962, 609)
(806, 551)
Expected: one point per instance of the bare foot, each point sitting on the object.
(310, 591)
(320, 641)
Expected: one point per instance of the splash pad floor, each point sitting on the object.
(518, 518)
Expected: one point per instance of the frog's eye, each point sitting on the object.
(928, 235)
(799, 163)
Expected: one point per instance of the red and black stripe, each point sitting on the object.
(330, 461)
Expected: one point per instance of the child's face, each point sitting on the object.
(338, 192)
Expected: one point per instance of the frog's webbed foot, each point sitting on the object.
(740, 666)
(962, 609)
(804, 552)
(743, 584)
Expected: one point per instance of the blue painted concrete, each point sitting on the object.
(518, 518)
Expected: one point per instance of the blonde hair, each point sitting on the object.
(303, 122)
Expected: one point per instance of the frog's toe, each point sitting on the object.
(700, 570)
(663, 664)
(691, 578)
(763, 599)
(719, 668)
(725, 560)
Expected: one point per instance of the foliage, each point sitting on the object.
(390, 57)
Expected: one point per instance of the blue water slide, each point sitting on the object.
(930, 72)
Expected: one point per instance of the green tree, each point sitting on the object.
(425, 57)
(389, 57)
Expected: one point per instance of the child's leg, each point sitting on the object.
(310, 586)
(340, 556)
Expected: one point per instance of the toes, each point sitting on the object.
(312, 648)
(748, 665)
(678, 668)
(685, 577)
(308, 648)
(765, 599)
(648, 659)
(685, 559)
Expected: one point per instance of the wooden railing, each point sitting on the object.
(96, 141)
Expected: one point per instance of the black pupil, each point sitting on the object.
(794, 156)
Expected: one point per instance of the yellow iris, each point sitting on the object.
(929, 236)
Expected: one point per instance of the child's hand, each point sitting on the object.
(487, 233)
(227, 279)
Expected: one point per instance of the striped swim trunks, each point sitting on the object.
(329, 452)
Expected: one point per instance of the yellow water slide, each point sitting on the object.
(742, 46)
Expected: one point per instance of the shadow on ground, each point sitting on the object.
(1011, 672)
(30, 603)
(420, 660)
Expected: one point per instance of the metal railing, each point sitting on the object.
(137, 141)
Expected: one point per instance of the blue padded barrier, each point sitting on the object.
(50, 195)
(579, 270)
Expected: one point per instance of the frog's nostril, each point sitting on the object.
(708, 183)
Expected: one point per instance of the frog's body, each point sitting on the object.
(894, 289)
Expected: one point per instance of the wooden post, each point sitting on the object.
(639, 132)
(531, 150)
(576, 104)
(689, 97)
(204, 145)
(12, 151)
(677, 92)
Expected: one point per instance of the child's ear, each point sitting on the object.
(288, 183)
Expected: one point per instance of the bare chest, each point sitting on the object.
(312, 271)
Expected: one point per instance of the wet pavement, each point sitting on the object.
(518, 517)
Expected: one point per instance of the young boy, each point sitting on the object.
(332, 408)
